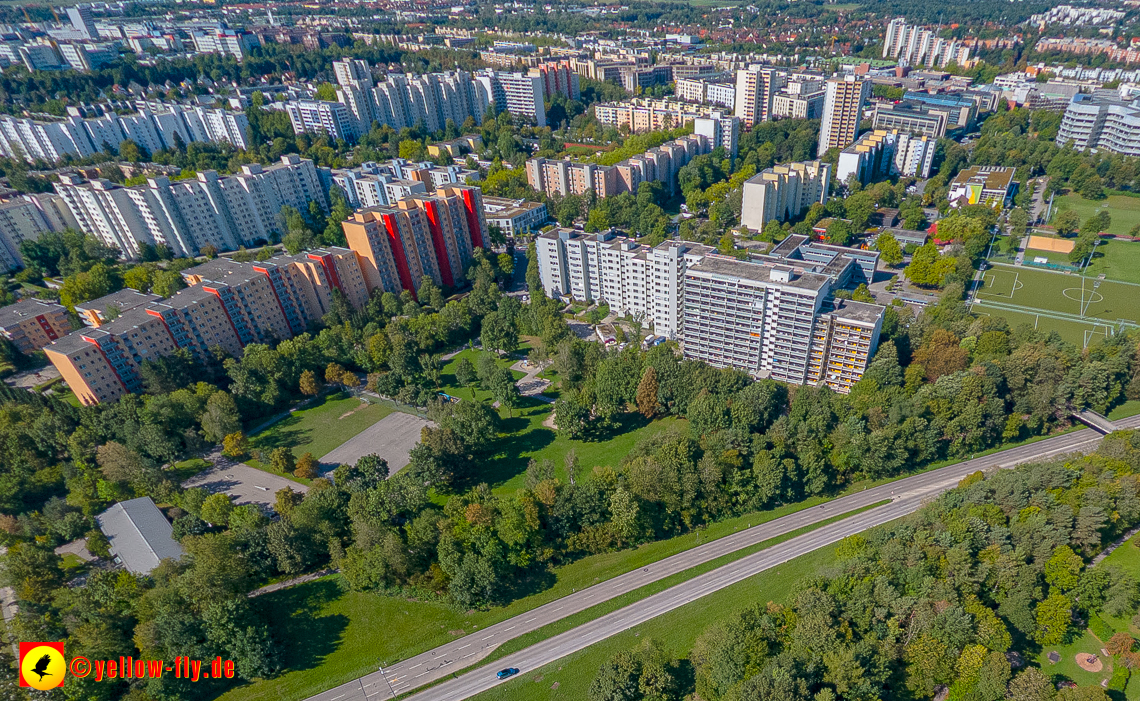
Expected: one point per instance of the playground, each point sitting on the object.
(1080, 308)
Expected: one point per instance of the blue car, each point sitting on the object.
(508, 672)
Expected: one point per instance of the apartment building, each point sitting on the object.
(1102, 124)
(322, 117)
(226, 212)
(774, 322)
(229, 42)
(911, 118)
(883, 152)
(914, 46)
(783, 192)
(983, 184)
(631, 278)
(229, 305)
(518, 93)
(31, 324)
(101, 310)
(961, 109)
(659, 164)
(716, 89)
(20, 220)
(558, 78)
(514, 217)
(432, 236)
(29, 139)
(842, 111)
(755, 88)
(809, 106)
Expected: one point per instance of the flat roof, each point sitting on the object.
(25, 309)
(858, 311)
(758, 272)
(123, 300)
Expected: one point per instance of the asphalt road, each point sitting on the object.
(906, 496)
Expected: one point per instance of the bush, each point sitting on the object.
(1099, 628)
(1119, 678)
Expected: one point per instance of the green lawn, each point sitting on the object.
(329, 633)
(570, 677)
(1067, 665)
(186, 469)
(1124, 210)
(526, 437)
(1071, 331)
(320, 427)
(1117, 259)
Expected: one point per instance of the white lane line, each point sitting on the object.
(418, 665)
(490, 636)
(511, 628)
(467, 645)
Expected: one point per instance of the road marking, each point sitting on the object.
(529, 620)
(490, 636)
(467, 645)
(468, 655)
(420, 675)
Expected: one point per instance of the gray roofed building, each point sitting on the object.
(98, 311)
(140, 535)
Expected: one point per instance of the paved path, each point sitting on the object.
(245, 484)
(278, 586)
(532, 385)
(907, 495)
(392, 438)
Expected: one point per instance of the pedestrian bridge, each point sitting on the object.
(1095, 421)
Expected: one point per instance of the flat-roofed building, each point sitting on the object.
(783, 192)
(911, 118)
(31, 324)
(99, 311)
(842, 111)
(983, 185)
(514, 217)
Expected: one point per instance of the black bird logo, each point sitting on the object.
(41, 667)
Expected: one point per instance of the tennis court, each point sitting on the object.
(1079, 308)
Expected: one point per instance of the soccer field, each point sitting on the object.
(1079, 308)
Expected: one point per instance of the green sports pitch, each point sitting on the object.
(1080, 308)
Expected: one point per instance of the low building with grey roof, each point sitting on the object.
(140, 535)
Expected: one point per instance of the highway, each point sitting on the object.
(906, 496)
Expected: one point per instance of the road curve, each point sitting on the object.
(907, 495)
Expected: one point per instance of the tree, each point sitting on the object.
(309, 385)
(888, 246)
(235, 445)
(499, 333)
(217, 509)
(1119, 644)
(167, 282)
(221, 417)
(1054, 616)
(504, 389)
(307, 467)
(647, 393)
(1067, 222)
(1031, 684)
(282, 460)
(838, 232)
(928, 267)
(465, 374)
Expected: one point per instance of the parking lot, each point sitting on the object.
(392, 438)
(244, 484)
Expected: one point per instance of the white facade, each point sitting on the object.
(29, 139)
(517, 93)
(914, 46)
(186, 215)
(755, 87)
(320, 117)
(631, 278)
(720, 131)
(1099, 124)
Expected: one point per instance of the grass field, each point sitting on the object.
(1117, 260)
(329, 633)
(1124, 210)
(1078, 307)
(320, 427)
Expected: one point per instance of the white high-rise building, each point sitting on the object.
(914, 46)
(30, 139)
(884, 152)
(321, 117)
(186, 215)
(720, 130)
(518, 93)
(82, 21)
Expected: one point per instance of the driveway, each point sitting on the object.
(392, 438)
(244, 484)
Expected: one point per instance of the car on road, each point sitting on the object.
(508, 672)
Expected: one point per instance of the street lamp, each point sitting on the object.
(385, 676)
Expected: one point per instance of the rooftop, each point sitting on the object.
(26, 309)
(858, 311)
(989, 177)
(123, 300)
(140, 535)
(758, 272)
